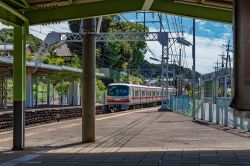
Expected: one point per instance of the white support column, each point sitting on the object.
(235, 122)
(226, 113)
(210, 111)
(202, 111)
(29, 91)
(218, 102)
(76, 93)
(248, 124)
(70, 93)
(241, 123)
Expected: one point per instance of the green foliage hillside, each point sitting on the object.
(115, 55)
(6, 36)
(155, 70)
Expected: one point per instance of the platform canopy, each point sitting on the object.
(17, 12)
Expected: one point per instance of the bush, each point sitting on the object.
(100, 90)
(52, 59)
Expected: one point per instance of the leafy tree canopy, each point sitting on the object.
(51, 58)
(115, 55)
(7, 36)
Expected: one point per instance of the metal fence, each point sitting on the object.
(215, 110)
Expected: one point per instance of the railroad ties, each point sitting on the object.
(45, 115)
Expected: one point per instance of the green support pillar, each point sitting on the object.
(19, 80)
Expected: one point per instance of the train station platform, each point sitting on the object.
(136, 137)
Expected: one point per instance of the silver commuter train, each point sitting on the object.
(122, 96)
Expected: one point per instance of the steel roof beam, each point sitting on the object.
(108, 7)
(11, 16)
(193, 10)
(84, 10)
(147, 5)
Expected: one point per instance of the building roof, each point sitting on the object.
(63, 51)
(7, 62)
(9, 47)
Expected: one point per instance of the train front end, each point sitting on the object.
(118, 97)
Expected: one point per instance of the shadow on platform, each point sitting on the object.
(140, 158)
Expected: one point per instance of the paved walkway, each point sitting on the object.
(138, 137)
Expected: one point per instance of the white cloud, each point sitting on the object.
(41, 31)
(201, 22)
(4, 26)
(207, 51)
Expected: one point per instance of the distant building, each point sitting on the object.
(8, 50)
(105, 71)
(64, 52)
(152, 82)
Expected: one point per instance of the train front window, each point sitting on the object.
(118, 90)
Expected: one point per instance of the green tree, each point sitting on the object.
(7, 36)
(115, 54)
(74, 62)
(52, 59)
(100, 90)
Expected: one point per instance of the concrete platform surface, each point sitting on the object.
(136, 137)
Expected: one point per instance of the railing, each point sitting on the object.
(212, 110)
(181, 105)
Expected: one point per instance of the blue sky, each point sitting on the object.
(210, 36)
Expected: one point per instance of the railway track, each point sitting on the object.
(40, 116)
(37, 117)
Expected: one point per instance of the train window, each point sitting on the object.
(118, 90)
(153, 93)
(136, 92)
(157, 93)
(143, 93)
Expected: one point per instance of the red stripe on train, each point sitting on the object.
(118, 100)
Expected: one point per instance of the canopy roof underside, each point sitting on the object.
(17, 12)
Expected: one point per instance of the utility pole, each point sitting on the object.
(174, 75)
(193, 73)
(228, 58)
(222, 64)
(164, 59)
(181, 75)
(216, 68)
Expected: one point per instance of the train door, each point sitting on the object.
(134, 98)
(131, 95)
(159, 94)
(154, 95)
(150, 95)
(143, 96)
(136, 95)
(140, 95)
